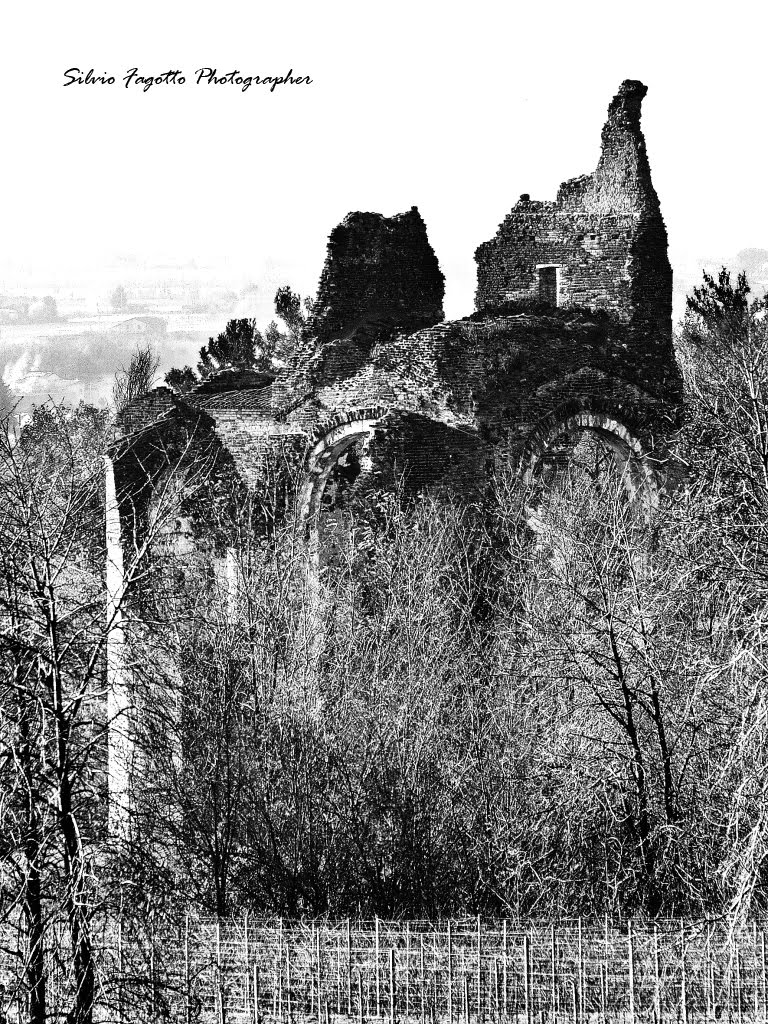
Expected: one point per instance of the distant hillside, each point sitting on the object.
(77, 359)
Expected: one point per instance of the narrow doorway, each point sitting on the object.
(548, 285)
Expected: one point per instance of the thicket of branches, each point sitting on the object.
(564, 719)
(555, 721)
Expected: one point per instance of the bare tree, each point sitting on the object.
(51, 643)
(135, 380)
(54, 636)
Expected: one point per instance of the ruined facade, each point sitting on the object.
(601, 244)
(573, 318)
(572, 333)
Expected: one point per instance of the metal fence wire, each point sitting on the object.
(467, 971)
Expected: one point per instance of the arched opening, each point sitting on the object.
(585, 460)
(360, 473)
(335, 463)
(587, 440)
(356, 462)
(588, 501)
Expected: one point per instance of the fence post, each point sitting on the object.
(289, 981)
(504, 967)
(319, 974)
(450, 973)
(360, 995)
(279, 976)
(631, 952)
(729, 979)
(58, 975)
(407, 969)
(378, 974)
(710, 979)
(152, 993)
(581, 1010)
(349, 968)
(392, 986)
(527, 975)
(553, 971)
(497, 993)
(338, 973)
(255, 994)
(246, 952)
(311, 970)
(218, 972)
(466, 999)
(479, 971)
(755, 999)
(120, 970)
(683, 978)
(187, 1002)
(421, 974)
(656, 976)
(607, 976)
(762, 966)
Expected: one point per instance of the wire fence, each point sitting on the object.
(468, 971)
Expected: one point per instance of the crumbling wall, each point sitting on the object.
(414, 453)
(604, 233)
(380, 275)
(141, 412)
(452, 398)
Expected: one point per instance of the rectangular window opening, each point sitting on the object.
(548, 285)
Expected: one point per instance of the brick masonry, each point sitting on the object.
(604, 234)
(451, 400)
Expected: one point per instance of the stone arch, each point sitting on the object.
(630, 455)
(332, 439)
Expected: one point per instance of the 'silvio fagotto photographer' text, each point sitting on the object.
(133, 78)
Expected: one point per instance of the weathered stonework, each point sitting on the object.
(604, 234)
(573, 320)
(573, 317)
(572, 333)
(380, 274)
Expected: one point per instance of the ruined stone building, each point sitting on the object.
(572, 332)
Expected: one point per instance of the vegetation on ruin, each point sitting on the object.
(564, 720)
(551, 703)
(539, 308)
(242, 346)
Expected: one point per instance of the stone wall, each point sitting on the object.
(494, 379)
(451, 400)
(383, 390)
(380, 275)
(604, 233)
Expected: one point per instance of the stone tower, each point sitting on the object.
(601, 244)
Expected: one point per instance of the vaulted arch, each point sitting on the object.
(332, 440)
(631, 458)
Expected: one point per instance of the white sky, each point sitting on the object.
(455, 108)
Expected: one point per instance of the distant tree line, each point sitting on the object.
(34, 310)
